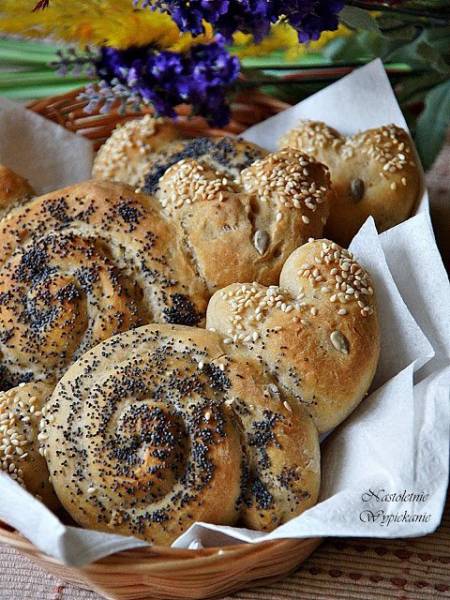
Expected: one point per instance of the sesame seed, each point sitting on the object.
(287, 405)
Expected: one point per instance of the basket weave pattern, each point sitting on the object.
(162, 573)
(67, 111)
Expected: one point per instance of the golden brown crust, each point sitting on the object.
(20, 453)
(139, 152)
(157, 428)
(375, 172)
(81, 264)
(227, 194)
(317, 333)
(281, 445)
(127, 154)
(241, 231)
(14, 190)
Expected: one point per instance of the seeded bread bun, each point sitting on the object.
(245, 230)
(14, 190)
(375, 172)
(82, 264)
(157, 428)
(21, 438)
(164, 425)
(126, 156)
(227, 155)
(316, 333)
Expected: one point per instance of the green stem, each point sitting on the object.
(328, 66)
(36, 78)
(35, 92)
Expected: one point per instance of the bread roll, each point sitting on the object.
(21, 455)
(165, 425)
(316, 333)
(14, 190)
(227, 155)
(375, 172)
(157, 428)
(126, 156)
(245, 231)
(81, 264)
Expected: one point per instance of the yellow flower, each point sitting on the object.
(283, 37)
(116, 23)
(97, 22)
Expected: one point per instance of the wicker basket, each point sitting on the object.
(159, 572)
(67, 110)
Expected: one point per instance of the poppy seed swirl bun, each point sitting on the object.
(157, 428)
(316, 333)
(81, 264)
(86, 262)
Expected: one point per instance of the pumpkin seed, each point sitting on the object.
(261, 241)
(339, 341)
(357, 189)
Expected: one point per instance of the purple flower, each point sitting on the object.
(200, 77)
(308, 17)
(189, 15)
(226, 16)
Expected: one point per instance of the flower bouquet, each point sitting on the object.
(202, 52)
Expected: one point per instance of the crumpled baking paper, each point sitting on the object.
(385, 470)
(46, 154)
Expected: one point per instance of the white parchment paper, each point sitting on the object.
(385, 470)
(48, 155)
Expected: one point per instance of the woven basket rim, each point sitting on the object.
(13, 538)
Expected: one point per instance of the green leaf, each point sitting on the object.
(421, 52)
(35, 78)
(428, 4)
(363, 46)
(414, 88)
(433, 123)
(358, 18)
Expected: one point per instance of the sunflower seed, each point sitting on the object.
(273, 390)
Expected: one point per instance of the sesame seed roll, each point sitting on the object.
(244, 229)
(126, 156)
(316, 332)
(375, 172)
(21, 438)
